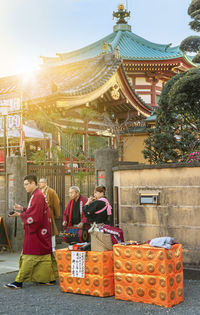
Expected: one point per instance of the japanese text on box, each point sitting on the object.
(78, 264)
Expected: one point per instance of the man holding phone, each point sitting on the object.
(37, 263)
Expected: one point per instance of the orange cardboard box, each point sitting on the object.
(149, 274)
(101, 286)
(99, 263)
(99, 274)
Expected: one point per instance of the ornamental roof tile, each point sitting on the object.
(131, 47)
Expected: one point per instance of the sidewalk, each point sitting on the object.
(9, 262)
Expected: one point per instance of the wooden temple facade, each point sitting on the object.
(120, 76)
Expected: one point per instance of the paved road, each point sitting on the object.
(44, 300)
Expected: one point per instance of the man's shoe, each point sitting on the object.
(14, 285)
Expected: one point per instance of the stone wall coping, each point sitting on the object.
(128, 166)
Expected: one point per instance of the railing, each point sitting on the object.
(79, 166)
(70, 167)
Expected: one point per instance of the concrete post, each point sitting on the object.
(105, 160)
(16, 170)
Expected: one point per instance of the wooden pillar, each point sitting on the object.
(153, 93)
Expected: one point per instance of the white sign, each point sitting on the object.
(13, 103)
(12, 122)
(78, 264)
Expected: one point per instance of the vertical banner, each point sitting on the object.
(78, 264)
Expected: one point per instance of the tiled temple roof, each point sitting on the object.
(131, 47)
(71, 79)
(76, 82)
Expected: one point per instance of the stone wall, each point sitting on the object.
(176, 213)
(105, 159)
(16, 170)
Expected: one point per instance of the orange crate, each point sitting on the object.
(149, 289)
(99, 275)
(99, 263)
(101, 286)
(63, 257)
(148, 274)
(145, 259)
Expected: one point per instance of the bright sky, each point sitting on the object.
(33, 28)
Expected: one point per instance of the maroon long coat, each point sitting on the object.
(37, 226)
(66, 214)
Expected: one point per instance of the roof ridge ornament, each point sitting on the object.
(106, 47)
(121, 14)
(168, 46)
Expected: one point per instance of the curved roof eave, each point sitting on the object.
(188, 60)
(135, 100)
(131, 46)
(82, 50)
(77, 99)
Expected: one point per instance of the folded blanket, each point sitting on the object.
(164, 242)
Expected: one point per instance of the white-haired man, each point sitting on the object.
(73, 214)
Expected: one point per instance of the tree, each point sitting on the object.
(192, 43)
(177, 129)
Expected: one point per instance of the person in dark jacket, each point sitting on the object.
(97, 209)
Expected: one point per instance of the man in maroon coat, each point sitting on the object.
(37, 264)
(73, 214)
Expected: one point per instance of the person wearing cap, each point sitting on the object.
(98, 209)
(73, 214)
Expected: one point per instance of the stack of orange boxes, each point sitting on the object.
(99, 275)
(149, 274)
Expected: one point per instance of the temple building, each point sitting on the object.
(147, 64)
(120, 77)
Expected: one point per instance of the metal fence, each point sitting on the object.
(82, 175)
(55, 175)
(61, 177)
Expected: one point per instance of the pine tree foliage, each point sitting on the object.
(192, 43)
(177, 129)
(196, 58)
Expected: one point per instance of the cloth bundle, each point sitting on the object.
(117, 235)
(165, 242)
